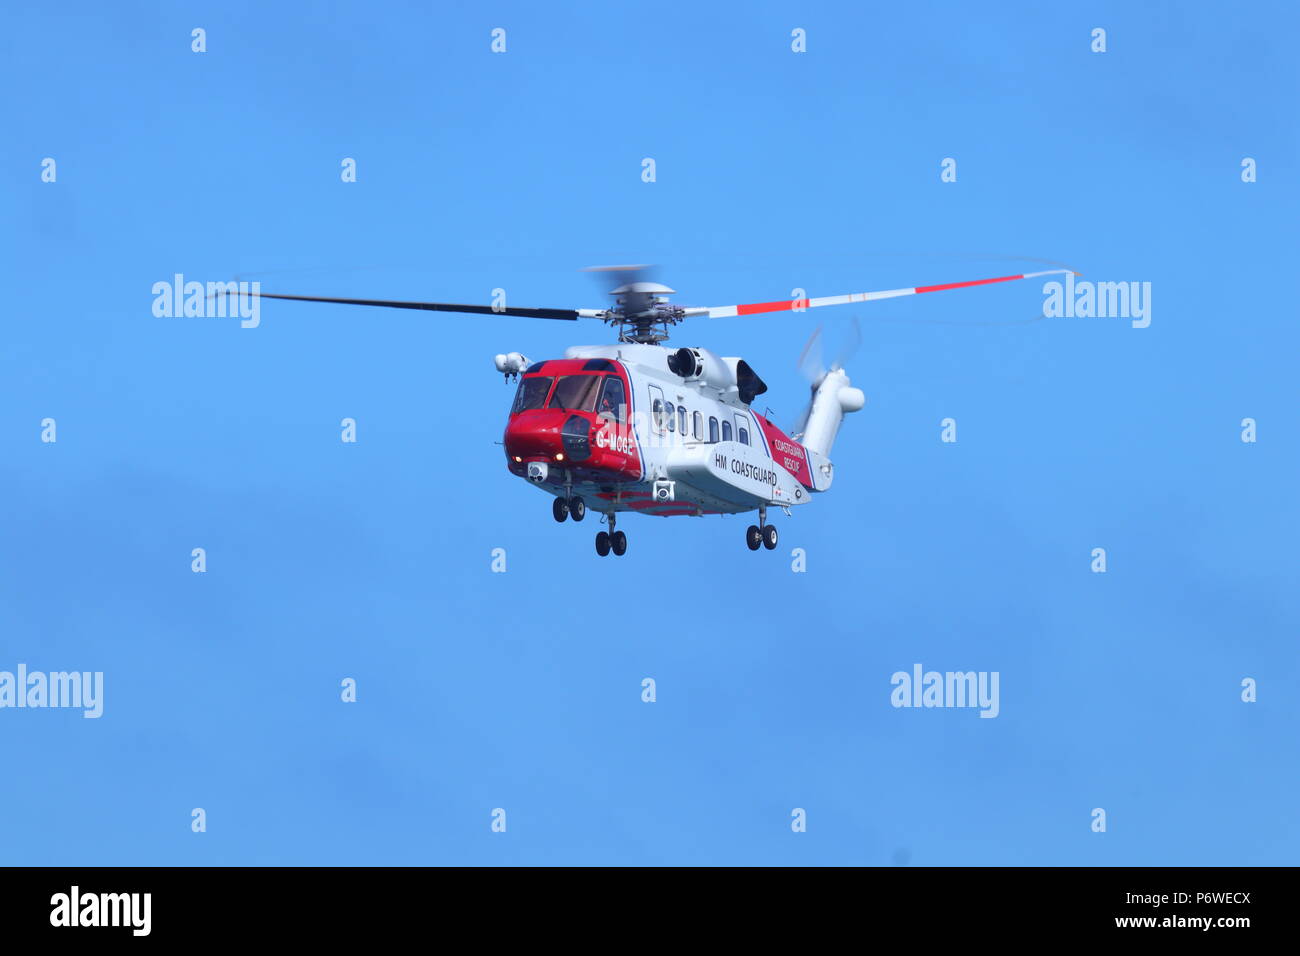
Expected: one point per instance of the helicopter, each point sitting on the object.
(639, 427)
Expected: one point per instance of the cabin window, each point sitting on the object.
(575, 393)
(613, 400)
(671, 416)
(742, 433)
(713, 429)
(681, 420)
(726, 431)
(699, 427)
(659, 416)
(532, 393)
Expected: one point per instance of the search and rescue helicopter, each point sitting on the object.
(639, 427)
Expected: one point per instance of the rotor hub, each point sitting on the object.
(642, 314)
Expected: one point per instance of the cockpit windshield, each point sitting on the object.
(532, 393)
(576, 393)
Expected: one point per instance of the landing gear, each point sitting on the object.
(761, 534)
(574, 508)
(607, 541)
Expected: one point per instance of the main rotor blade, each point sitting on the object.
(569, 314)
(789, 305)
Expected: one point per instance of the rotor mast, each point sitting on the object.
(642, 314)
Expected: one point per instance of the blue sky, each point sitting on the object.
(521, 690)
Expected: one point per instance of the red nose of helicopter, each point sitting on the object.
(547, 435)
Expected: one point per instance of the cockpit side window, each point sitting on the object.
(531, 393)
(575, 393)
(613, 399)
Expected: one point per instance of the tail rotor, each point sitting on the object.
(812, 362)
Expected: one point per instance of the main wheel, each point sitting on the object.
(560, 508)
(577, 508)
(753, 537)
(769, 537)
(618, 541)
(602, 543)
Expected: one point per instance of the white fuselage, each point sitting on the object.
(700, 448)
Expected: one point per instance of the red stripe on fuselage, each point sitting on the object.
(786, 452)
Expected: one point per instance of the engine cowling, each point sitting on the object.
(686, 363)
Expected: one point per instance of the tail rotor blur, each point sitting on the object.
(812, 361)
